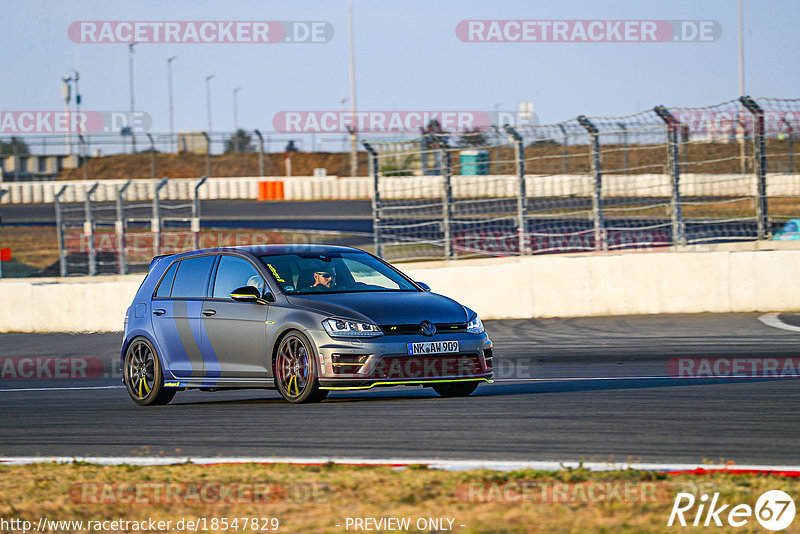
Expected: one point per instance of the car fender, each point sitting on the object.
(133, 334)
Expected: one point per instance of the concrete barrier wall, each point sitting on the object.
(332, 188)
(732, 278)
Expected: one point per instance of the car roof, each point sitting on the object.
(270, 250)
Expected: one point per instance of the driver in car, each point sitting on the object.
(323, 279)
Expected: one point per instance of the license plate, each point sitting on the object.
(432, 347)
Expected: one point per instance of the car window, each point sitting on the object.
(165, 286)
(334, 272)
(234, 273)
(365, 274)
(191, 278)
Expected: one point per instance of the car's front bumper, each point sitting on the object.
(384, 361)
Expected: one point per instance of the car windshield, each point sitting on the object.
(335, 272)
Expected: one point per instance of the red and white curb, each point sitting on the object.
(447, 465)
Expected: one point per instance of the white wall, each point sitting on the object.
(735, 278)
(332, 188)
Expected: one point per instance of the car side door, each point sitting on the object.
(236, 331)
(177, 315)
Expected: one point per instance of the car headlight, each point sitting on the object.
(475, 326)
(344, 328)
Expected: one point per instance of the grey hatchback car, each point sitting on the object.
(302, 319)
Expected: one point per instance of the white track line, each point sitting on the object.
(448, 465)
(771, 319)
(554, 379)
(3, 390)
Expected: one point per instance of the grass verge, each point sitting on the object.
(322, 498)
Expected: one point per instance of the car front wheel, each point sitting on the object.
(295, 370)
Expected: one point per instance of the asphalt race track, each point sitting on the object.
(568, 389)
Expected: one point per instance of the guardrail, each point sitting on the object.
(732, 278)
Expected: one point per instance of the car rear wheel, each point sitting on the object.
(143, 377)
(455, 389)
(295, 370)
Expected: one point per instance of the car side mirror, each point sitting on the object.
(246, 294)
(423, 285)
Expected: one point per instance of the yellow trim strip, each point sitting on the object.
(345, 363)
(275, 273)
(488, 381)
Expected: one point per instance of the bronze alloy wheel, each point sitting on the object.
(143, 377)
(295, 370)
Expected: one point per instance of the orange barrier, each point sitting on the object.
(270, 190)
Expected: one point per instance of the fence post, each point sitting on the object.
(62, 258)
(208, 154)
(120, 229)
(600, 236)
(674, 130)
(88, 229)
(260, 153)
(791, 144)
(376, 198)
(155, 222)
(522, 196)
(447, 196)
(625, 144)
(565, 155)
(152, 157)
(761, 166)
(196, 211)
(2, 192)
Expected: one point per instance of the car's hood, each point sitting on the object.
(385, 307)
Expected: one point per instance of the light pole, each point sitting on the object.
(75, 78)
(65, 94)
(343, 101)
(741, 50)
(208, 107)
(169, 89)
(235, 121)
(353, 134)
(130, 117)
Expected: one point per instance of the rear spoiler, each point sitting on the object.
(156, 259)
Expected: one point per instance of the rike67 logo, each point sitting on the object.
(774, 510)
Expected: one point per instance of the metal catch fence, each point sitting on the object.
(118, 236)
(667, 176)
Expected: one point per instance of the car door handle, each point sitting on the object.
(209, 313)
(159, 311)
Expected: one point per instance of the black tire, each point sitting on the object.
(455, 389)
(295, 370)
(142, 375)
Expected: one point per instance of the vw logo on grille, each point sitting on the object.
(427, 328)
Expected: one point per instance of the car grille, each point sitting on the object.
(409, 367)
(405, 329)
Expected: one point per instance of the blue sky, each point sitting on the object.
(407, 58)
